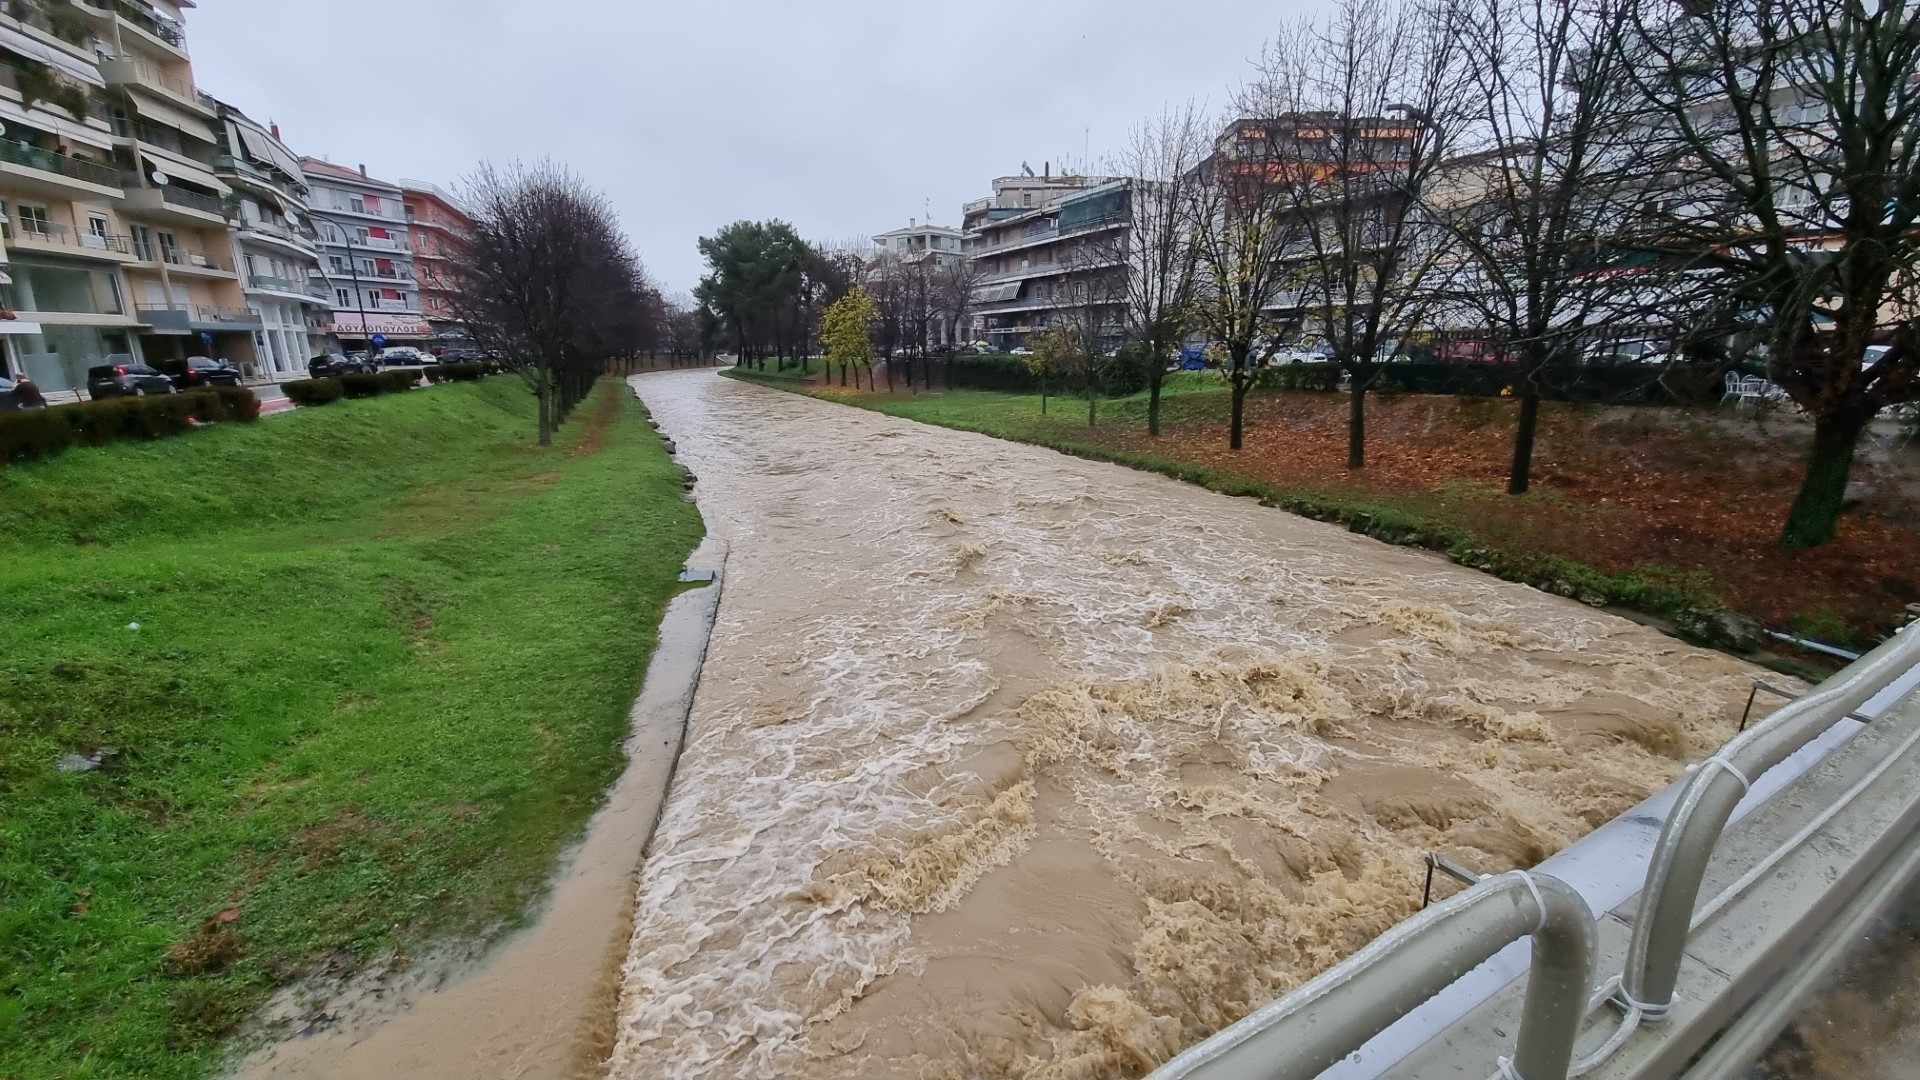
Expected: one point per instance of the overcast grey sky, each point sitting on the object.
(841, 116)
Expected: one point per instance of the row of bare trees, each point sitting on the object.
(1720, 180)
(548, 282)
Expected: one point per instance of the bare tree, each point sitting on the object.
(1361, 109)
(1236, 206)
(952, 297)
(1162, 160)
(1783, 139)
(548, 281)
(1091, 309)
(1536, 214)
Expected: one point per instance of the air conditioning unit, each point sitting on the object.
(200, 261)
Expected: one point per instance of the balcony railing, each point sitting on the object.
(48, 233)
(223, 315)
(177, 196)
(396, 215)
(47, 161)
(196, 260)
(158, 25)
(120, 70)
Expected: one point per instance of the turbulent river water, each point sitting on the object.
(1009, 764)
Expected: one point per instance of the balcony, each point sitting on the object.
(397, 215)
(163, 138)
(56, 174)
(189, 319)
(33, 235)
(174, 203)
(164, 34)
(121, 72)
(67, 24)
(289, 287)
(191, 263)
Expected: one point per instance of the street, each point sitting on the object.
(1006, 763)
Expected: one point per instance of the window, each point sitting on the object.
(344, 298)
(250, 269)
(143, 243)
(377, 234)
(357, 205)
(97, 225)
(373, 205)
(54, 287)
(339, 265)
(34, 220)
(169, 247)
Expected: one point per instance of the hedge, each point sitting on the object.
(1623, 384)
(309, 392)
(439, 373)
(376, 383)
(44, 432)
(1125, 374)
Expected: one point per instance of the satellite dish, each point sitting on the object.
(161, 179)
(3, 129)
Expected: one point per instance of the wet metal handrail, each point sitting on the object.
(1674, 874)
(1303, 1033)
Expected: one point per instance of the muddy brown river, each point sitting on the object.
(1008, 764)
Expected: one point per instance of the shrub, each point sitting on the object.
(376, 383)
(310, 392)
(440, 373)
(1298, 377)
(45, 432)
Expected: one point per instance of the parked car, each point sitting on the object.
(199, 371)
(128, 378)
(405, 356)
(327, 365)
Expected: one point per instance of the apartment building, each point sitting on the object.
(944, 245)
(366, 256)
(1048, 249)
(437, 228)
(116, 226)
(275, 248)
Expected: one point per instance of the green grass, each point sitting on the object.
(385, 654)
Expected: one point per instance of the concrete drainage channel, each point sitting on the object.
(542, 1003)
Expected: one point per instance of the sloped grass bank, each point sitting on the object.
(324, 689)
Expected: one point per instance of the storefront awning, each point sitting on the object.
(351, 324)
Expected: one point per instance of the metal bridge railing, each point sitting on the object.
(1315, 1026)
(1693, 828)
(1298, 1036)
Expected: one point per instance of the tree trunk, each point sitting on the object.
(1823, 491)
(1043, 395)
(1521, 474)
(1153, 402)
(1093, 398)
(1239, 410)
(1357, 423)
(546, 412)
(872, 387)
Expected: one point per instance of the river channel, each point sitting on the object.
(1010, 764)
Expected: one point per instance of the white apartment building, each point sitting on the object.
(366, 256)
(944, 244)
(275, 246)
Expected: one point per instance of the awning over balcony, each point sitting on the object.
(12, 113)
(262, 149)
(65, 62)
(168, 116)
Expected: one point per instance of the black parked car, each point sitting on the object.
(328, 365)
(128, 378)
(197, 371)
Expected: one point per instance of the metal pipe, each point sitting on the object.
(1679, 863)
(1816, 646)
(1303, 1033)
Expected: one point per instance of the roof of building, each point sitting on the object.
(314, 166)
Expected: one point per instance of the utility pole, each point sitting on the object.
(353, 270)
